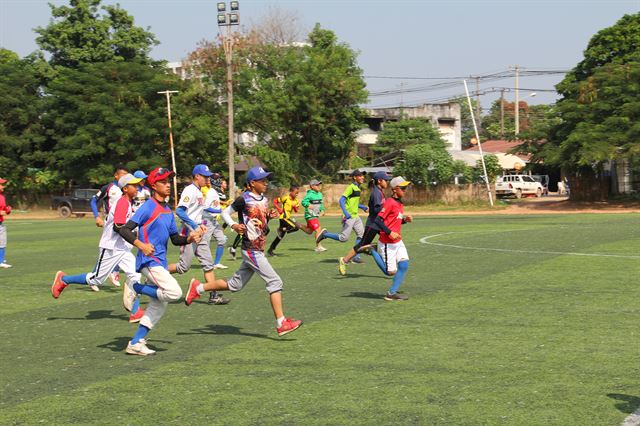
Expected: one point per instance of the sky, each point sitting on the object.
(411, 43)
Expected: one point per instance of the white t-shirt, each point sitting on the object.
(110, 239)
(193, 200)
(211, 200)
(115, 193)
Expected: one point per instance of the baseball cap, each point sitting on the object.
(157, 174)
(356, 172)
(257, 173)
(381, 175)
(128, 179)
(399, 181)
(314, 182)
(201, 169)
(2, 181)
(140, 174)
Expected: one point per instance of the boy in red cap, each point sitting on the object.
(5, 209)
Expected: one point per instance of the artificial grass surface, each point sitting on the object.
(486, 337)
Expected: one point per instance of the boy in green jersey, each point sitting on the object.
(313, 209)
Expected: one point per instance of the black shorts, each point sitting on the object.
(369, 234)
(287, 226)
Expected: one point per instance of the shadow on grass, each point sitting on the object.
(629, 403)
(365, 295)
(350, 275)
(119, 344)
(94, 315)
(219, 329)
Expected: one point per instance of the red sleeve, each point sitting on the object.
(122, 211)
(387, 208)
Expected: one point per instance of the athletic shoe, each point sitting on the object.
(396, 296)
(320, 249)
(270, 253)
(5, 265)
(94, 287)
(58, 285)
(368, 248)
(232, 253)
(114, 277)
(128, 295)
(220, 266)
(192, 293)
(357, 260)
(342, 266)
(288, 325)
(321, 236)
(216, 298)
(136, 317)
(139, 349)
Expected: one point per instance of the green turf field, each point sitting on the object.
(520, 320)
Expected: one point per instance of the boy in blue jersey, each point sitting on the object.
(156, 225)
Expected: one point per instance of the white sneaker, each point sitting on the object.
(320, 249)
(128, 296)
(115, 278)
(94, 287)
(220, 266)
(5, 265)
(232, 253)
(139, 349)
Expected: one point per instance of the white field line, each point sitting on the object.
(425, 240)
(632, 419)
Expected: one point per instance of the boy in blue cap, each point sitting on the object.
(253, 208)
(144, 193)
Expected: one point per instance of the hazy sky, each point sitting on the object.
(419, 38)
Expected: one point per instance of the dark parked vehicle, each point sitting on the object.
(78, 203)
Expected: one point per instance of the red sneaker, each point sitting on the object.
(192, 293)
(288, 325)
(58, 285)
(137, 316)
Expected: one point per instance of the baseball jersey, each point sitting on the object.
(392, 214)
(211, 200)
(142, 195)
(3, 206)
(193, 200)
(376, 201)
(352, 194)
(156, 224)
(120, 213)
(109, 194)
(253, 209)
(312, 203)
(287, 205)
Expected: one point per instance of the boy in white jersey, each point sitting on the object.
(144, 193)
(114, 252)
(253, 208)
(190, 209)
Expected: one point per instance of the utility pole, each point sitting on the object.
(229, 19)
(478, 108)
(501, 113)
(517, 104)
(168, 93)
(402, 84)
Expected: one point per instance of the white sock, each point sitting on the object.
(200, 288)
(279, 321)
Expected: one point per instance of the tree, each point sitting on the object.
(425, 164)
(600, 107)
(492, 164)
(398, 135)
(79, 33)
(23, 149)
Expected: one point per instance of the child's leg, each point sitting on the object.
(403, 266)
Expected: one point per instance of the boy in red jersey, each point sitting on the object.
(5, 209)
(392, 257)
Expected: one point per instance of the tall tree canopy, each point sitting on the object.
(80, 33)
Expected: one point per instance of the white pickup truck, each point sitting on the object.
(517, 186)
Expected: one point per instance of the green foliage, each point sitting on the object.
(459, 167)
(79, 33)
(398, 135)
(466, 123)
(278, 163)
(494, 169)
(425, 164)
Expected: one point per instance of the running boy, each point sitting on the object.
(313, 208)
(254, 209)
(144, 193)
(285, 205)
(114, 251)
(156, 225)
(5, 209)
(376, 201)
(349, 203)
(392, 257)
